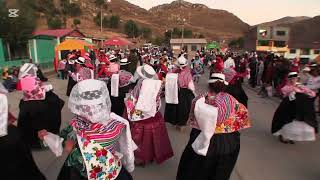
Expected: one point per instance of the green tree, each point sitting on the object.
(146, 33)
(76, 22)
(105, 22)
(158, 41)
(54, 22)
(187, 33)
(131, 29)
(237, 43)
(114, 21)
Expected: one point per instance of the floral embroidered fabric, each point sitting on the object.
(97, 143)
(232, 115)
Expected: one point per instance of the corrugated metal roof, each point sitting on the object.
(54, 32)
(188, 41)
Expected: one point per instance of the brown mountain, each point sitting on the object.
(285, 21)
(305, 34)
(212, 23)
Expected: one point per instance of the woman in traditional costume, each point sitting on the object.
(295, 118)
(177, 111)
(82, 72)
(147, 124)
(234, 86)
(40, 108)
(214, 143)
(17, 159)
(119, 86)
(98, 141)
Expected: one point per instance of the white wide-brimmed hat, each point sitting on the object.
(112, 58)
(306, 69)
(292, 75)
(81, 60)
(182, 61)
(218, 77)
(124, 62)
(146, 71)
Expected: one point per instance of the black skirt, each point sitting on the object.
(70, 173)
(117, 103)
(71, 84)
(238, 93)
(17, 161)
(217, 165)
(37, 115)
(178, 114)
(300, 109)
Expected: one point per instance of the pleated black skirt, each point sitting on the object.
(17, 162)
(217, 165)
(71, 84)
(178, 114)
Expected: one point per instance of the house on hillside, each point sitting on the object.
(268, 39)
(305, 50)
(191, 45)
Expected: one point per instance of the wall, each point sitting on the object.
(297, 54)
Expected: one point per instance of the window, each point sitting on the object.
(316, 51)
(263, 43)
(194, 48)
(305, 52)
(279, 44)
(281, 33)
(293, 51)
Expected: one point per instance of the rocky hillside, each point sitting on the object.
(212, 23)
(285, 21)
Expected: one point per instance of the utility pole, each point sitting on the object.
(101, 18)
(182, 34)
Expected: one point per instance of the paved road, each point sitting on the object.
(262, 157)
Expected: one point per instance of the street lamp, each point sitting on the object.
(108, 1)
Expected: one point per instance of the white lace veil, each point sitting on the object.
(90, 99)
(28, 69)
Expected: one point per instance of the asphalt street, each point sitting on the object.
(262, 156)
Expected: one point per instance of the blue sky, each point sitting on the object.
(252, 11)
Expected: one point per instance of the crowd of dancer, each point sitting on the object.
(115, 97)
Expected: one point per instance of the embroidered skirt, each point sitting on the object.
(178, 114)
(70, 173)
(217, 165)
(152, 139)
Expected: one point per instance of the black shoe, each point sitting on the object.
(282, 140)
(291, 142)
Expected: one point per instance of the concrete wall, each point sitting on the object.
(311, 56)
